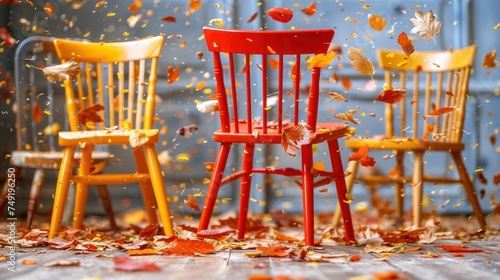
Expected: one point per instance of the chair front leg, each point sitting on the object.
(82, 189)
(246, 185)
(417, 187)
(308, 193)
(148, 196)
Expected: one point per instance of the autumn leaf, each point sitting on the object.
(142, 252)
(62, 263)
(91, 114)
(187, 129)
(129, 264)
(346, 83)
(361, 155)
(169, 19)
(280, 14)
(294, 137)
(273, 251)
(181, 247)
(60, 72)
(149, 232)
(215, 233)
(406, 44)
(361, 64)
(192, 203)
(310, 10)
(489, 60)
(173, 74)
(456, 248)
(337, 96)
(49, 9)
(346, 117)
(37, 113)
(391, 95)
(425, 25)
(376, 22)
(194, 5)
(321, 60)
(137, 139)
(440, 111)
(253, 17)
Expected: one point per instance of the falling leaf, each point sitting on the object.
(376, 22)
(187, 130)
(181, 247)
(192, 203)
(274, 63)
(361, 155)
(482, 179)
(208, 106)
(346, 83)
(489, 60)
(280, 14)
(49, 9)
(194, 5)
(361, 64)
(310, 10)
(60, 72)
(346, 117)
(129, 264)
(391, 95)
(336, 96)
(169, 19)
(100, 3)
(406, 44)
(217, 21)
(321, 60)
(173, 74)
(294, 137)
(149, 232)
(440, 111)
(496, 179)
(425, 25)
(37, 113)
(91, 114)
(253, 17)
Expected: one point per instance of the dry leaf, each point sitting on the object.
(215, 233)
(280, 14)
(60, 72)
(137, 139)
(361, 64)
(310, 10)
(294, 137)
(346, 117)
(376, 22)
(321, 60)
(148, 232)
(192, 203)
(346, 83)
(129, 264)
(273, 251)
(440, 111)
(489, 60)
(90, 114)
(426, 25)
(253, 17)
(169, 19)
(188, 129)
(181, 247)
(37, 113)
(391, 95)
(173, 74)
(336, 96)
(406, 44)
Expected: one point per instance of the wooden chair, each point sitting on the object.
(433, 81)
(119, 78)
(243, 121)
(36, 132)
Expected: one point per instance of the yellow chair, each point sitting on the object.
(419, 124)
(111, 102)
(36, 132)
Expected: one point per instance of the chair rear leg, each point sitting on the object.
(159, 190)
(418, 187)
(213, 188)
(469, 189)
(352, 166)
(308, 194)
(246, 185)
(107, 205)
(61, 193)
(400, 186)
(5, 189)
(34, 196)
(148, 196)
(340, 183)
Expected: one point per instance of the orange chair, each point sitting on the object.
(252, 55)
(36, 133)
(111, 103)
(430, 119)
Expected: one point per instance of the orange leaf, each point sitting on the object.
(90, 113)
(274, 63)
(406, 44)
(37, 113)
(280, 14)
(274, 251)
(376, 22)
(100, 3)
(321, 60)
(192, 203)
(362, 157)
(49, 9)
(181, 247)
(169, 19)
(142, 252)
(440, 111)
(214, 233)
(489, 60)
(310, 10)
(391, 95)
(129, 264)
(284, 237)
(253, 17)
(455, 248)
(149, 232)
(173, 74)
(336, 96)
(133, 8)
(346, 83)
(294, 137)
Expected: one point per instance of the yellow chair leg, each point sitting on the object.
(61, 191)
(417, 188)
(148, 196)
(82, 189)
(159, 188)
(400, 186)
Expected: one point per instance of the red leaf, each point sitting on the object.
(280, 14)
(169, 19)
(37, 113)
(458, 248)
(311, 10)
(440, 111)
(149, 232)
(406, 44)
(192, 203)
(129, 264)
(173, 74)
(362, 156)
(253, 17)
(188, 248)
(212, 233)
(391, 95)
(274, 251)
(90, 113)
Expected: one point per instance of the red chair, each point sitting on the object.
(261, 63)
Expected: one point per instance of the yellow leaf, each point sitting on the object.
(376, 22)
(361, 64)
(321, 60)
(217, 21)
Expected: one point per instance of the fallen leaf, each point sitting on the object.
(376, 22)
(215, 233)
(361, 64)
(149, 232)
(294, 137)
(456, 248)
(391, 96)
(440, 111)
(181, 247)
(137, 139)
(321, 60)
(273, 251)
(63, 263)
(280, 14)
(129, 264)
(425, 25)
(142, 252)
(406, 44)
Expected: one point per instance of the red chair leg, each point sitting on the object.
(246, 185)
(308, 194)
(34, 197)
(338, 169)
(213, 188)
